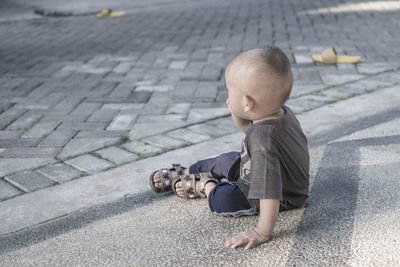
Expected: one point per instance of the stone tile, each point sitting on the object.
(11, 165)
(299, 105)
(154, 88)
(172, 118)
(179, 108)
(24, 122)
(25, 142)
(89, 164)
(142, 148)
(122, 122)
(29, 152)
(299, 90)
(213, 131)
(226, 122)
(57, 138)
(333, 79)
(99, 134)
(60, 172)
(178, 65)
(10, 134)
(123, 106)
(116, 155)
(201, 114)
(75, 125)
(189, 136)
(7, 190)
(102, 115)
(29, 181)
(302, 58)
(84, 145)
(144, 129)
(165, 141)
(374, 67)
(40, 129)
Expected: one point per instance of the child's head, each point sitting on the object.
(259, 82)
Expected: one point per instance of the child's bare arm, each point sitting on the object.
(269, 209)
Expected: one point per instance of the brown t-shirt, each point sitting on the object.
(275, 162)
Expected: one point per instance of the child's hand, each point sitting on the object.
(250, 239)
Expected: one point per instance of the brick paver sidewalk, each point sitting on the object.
(79, 95)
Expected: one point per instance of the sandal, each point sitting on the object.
(329, 56)
(167, 175)
(191, 184)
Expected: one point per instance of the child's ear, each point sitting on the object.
(248, 103)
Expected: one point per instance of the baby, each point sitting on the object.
(271, 172)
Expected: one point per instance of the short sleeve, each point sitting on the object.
(265, 175)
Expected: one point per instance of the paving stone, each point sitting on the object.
(154, 88)
(29, 152)
(179, 108)
(200, 114)
(29, 181)
(98, 134)
(65, 118)
(10, 115)
(122, 122)
(142, 148)
(102, 115)
(60, 172)
(225, 122)
(10, 134)
(333, 79)
(299, 105)
(8, 166)
(303, 58)
(210, 130)
(8, 191)
(83, 145)
(89, 164)
(299, 90)
(319, 98)
(40, 129)
(123, 106)
(85, 108)
(122, 90)
(24, 122)
(164, 141)
(172, 118)
(189, 136)
(25, 142)
(75, 125)
(178, 65)
(116, 155)
(374, 67)
(57, 138)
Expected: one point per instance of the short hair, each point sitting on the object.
(278, 62)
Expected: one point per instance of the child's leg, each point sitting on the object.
(220, 166)
(227, 199)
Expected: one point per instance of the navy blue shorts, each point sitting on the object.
(225, 199)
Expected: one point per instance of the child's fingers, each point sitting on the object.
(251, 244)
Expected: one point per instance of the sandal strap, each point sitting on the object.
(168, 174)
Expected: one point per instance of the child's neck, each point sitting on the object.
(270, 117)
